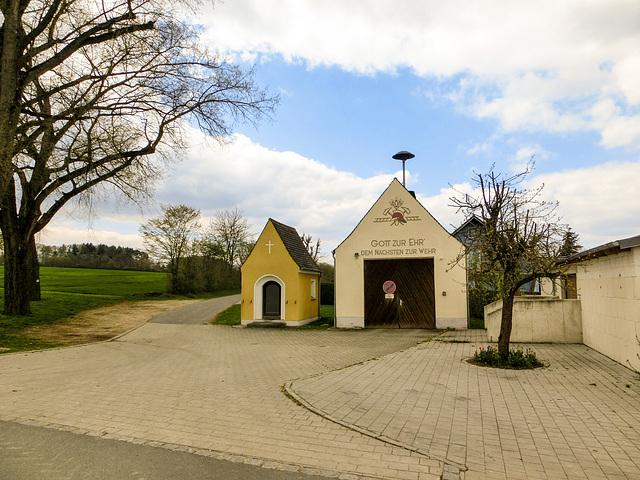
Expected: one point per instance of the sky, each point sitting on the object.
(463, 85)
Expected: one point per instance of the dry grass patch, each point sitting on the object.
(102, 323)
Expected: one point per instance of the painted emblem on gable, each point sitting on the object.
(397, 213)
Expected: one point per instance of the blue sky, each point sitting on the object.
(462, 85)
(357, 122)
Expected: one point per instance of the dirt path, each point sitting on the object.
(103, 323)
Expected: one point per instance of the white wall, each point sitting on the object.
(420, 237)
(609, 289)
(537, 319)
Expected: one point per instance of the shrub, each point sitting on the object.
(478, 298)
(522, 359)
(517, 358)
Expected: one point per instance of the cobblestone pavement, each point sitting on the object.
(213, 390)
(578, 418)
(389, 407)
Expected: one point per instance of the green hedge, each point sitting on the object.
(327, 294)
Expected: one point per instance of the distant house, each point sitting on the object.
(464, 233)
(394, 270)
(280, 280)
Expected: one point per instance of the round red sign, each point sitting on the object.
(389, 287)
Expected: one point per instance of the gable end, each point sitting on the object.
(295, 247)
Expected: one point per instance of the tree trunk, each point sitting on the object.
(505, 326)
(33, 271)
(174, 276)
(9, 70)
(16, 285)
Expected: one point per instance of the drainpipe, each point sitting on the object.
(466, 291)
(335, 317)
(319, 293)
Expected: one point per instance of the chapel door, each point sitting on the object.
(412, 305)
(271, 301)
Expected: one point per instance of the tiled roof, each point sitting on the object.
(295, 247)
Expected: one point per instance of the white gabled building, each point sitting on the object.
(394, 270)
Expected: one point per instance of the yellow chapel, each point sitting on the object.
(280, 279)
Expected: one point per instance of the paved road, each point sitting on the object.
(379, 406)
(197, 313)
(36, 453)
(578, 418)
(214, 388)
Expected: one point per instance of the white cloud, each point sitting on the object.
(64, 232)
(439, 206)
(482, 147)
(539, 66)
(524, 155)
(600, 203)
(301, 192)
(109, 219)
(288, 187)
(617, 128)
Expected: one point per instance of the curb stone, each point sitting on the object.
(450, 470)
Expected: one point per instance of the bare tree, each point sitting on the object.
(313, 248)
(229, 234)
(245, 250)
(519, 241)
(169, 238)
(95, 93)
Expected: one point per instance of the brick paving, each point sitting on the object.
(389, 408)
(578, 418)
(214, 389)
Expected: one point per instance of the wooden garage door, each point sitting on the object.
(413, 305)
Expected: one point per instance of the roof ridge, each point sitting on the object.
(294, 245)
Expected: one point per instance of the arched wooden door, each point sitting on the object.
(271, 305)
(413, 304)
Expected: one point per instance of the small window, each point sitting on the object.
(314, 291)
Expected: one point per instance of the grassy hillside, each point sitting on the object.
(112, 283)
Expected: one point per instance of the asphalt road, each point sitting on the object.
(37, 453)
(197, 313)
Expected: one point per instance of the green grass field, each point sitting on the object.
(67, 291)
(110, 283)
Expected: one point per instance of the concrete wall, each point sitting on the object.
(609, 289)
(537, 319)
(378, 237)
